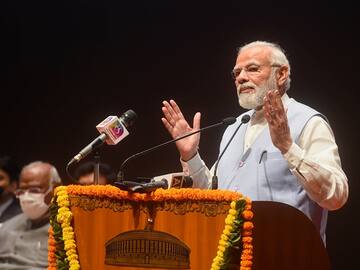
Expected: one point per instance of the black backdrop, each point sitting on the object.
(66, 65)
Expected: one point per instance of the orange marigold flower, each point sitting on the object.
(247, 239)
(246, 257)
(248, 225)
(247, 246)
(246, 233)
(247, 251)
(246, 263)
(247, 214)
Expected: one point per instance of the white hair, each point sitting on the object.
(277, 57)
(54, 177)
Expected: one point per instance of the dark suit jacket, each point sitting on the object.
(12, 210)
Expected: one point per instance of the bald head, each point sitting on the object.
(39, 174)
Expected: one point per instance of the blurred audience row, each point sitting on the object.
(25, 195)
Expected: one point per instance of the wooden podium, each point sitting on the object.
(284, 238)
(175, 229)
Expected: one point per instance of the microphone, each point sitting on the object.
(174, 180)
(181, 181)
(112, 129)
(214, 182)
(226, 121)
(149, 187)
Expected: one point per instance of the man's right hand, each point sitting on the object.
(177, 126)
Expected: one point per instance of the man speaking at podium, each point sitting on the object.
(286, 152)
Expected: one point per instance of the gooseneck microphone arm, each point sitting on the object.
(214, 182)
(227, 121)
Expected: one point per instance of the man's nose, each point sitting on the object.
(242, 77)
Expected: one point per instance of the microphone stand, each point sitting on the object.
(120, 175)
(97, 166)
(214, 181)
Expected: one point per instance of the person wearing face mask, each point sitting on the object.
(24, 238)
(9, 178)
(286, 152)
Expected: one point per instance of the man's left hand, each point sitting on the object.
(275, 115)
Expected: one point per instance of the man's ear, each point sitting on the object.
(281, 76)
(49, 196)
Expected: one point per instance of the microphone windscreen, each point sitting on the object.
(187, 182)
(228, 121)
(128, 118)
(245, 118)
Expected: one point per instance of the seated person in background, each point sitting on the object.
(24, 238)
(84, 174)
(9, 179)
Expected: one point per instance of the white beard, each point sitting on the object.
(256, 99)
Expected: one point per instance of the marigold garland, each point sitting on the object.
(237, 233)
(236, 229)
(51, 250)
(63, 217)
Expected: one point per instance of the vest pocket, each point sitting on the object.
(281, 184)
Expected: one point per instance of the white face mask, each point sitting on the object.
(33, 205)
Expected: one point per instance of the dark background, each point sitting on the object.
(67, 65)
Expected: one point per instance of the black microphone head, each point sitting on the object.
(187, 182)
(164, 183)
(245, 118)
(128, 118)
(229, 121)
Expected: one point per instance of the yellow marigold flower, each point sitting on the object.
(69, 246)
(223, 243)
(62, 197)
(70, 241)
(68, 236)
(232, 212)
(63, 209)
(229, 220)
(224, 237)
(64, 202)
(74, 266)
(60, 189)
(65, 222)
(226, 231)
(67, 230)
(64, 218)
(71, 252)
(73, 262)
(72, 256)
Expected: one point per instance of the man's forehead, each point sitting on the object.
(256, 54)
(35, 176)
